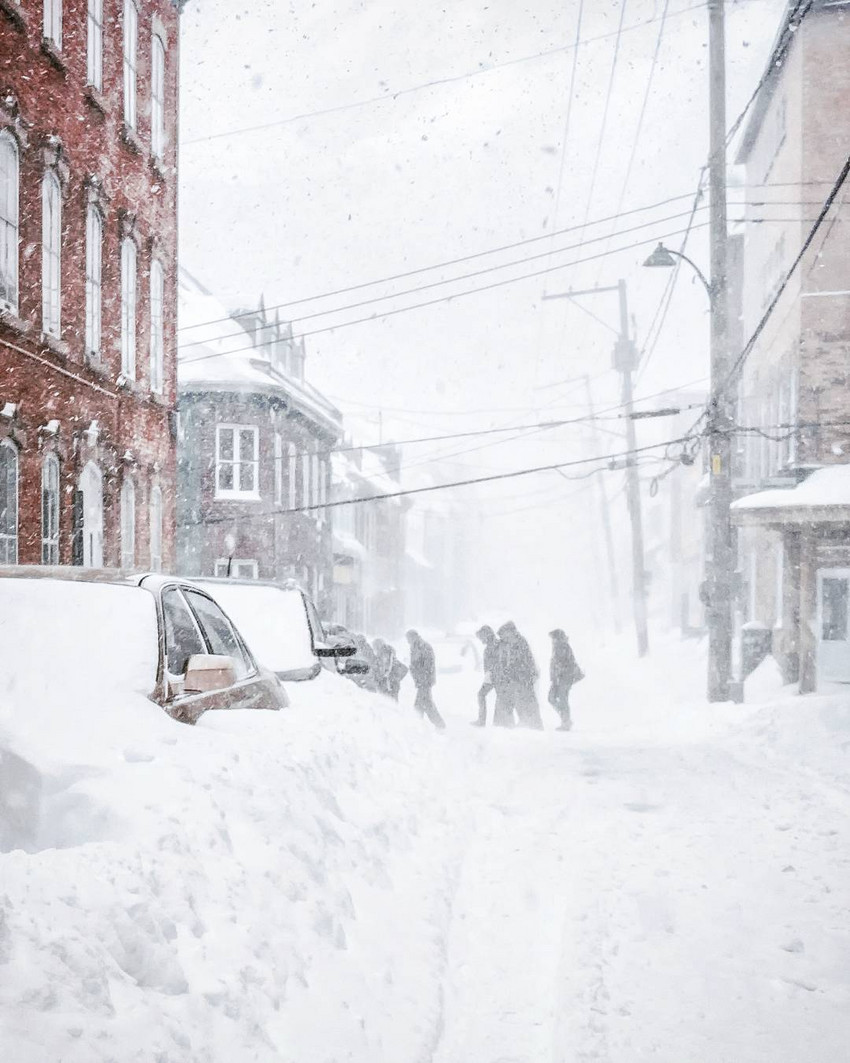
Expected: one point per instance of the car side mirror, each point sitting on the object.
(355, 666)
(208, 672)
(339, 649)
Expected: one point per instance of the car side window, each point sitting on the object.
(182, 637)
(219, 632)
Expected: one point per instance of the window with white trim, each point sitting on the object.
(51, 255)
(128, 308)
(9, 181)
(157, 326)
(94, 281)
(8, 503)
(131, 59)
(53, 22)
(157, 97)
(278, 469)
(237, 568)
(155, 509)
(50, 510)
(292, 481)
(128, 524)
(94, 44)
(236, 461)
(305, 479)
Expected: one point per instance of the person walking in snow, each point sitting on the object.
(491, 648)
(365, 652)
(423, 672)
(516, 678)
(564, 673)
(389, 671)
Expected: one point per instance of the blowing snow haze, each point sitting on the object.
(424, 531)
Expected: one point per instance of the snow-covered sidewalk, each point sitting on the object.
(339, 883)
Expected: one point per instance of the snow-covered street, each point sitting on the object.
(342, 883)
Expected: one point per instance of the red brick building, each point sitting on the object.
(88, 273)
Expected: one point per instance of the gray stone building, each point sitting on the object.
(254, 443)
(793, 475)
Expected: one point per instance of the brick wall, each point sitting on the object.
(62, 124)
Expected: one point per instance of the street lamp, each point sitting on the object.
(665, 258)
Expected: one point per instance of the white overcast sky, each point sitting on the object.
(327, 201)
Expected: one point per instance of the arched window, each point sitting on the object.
(50, 510)
(91, 489)
(157, 324)
(53, 22)
(8, 503)
(9, 178)
(128, 308)
(131, 46)
(157, 97)
(51, 254)
(94, 280)
(156, 529)
(128, 524)
(94, 44)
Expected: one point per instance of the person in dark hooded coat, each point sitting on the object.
(516, 676)
(564, 673)
(491, 650)
(423, 672)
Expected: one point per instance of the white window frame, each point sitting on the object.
(305, 479)
(92, 531)
(129, 272)
(240, 568)
(157, 327)
(128, 524)
(156, 524)
(94, 281)
(278, 469)
(94, 44)
(157, 97)
(237, 461)
(51, 255)
(52, 24)
(50, 501)
(292, 484)
(9, 539)
(130, 63)
(10, 175)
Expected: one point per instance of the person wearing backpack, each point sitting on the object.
(564, 673)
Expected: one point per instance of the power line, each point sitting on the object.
(436, 83)
(441, 299)
(406, 492)
(604, 125)
(448, 262)
(429, 286)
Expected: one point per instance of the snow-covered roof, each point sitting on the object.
(222, 357)
(822, 496)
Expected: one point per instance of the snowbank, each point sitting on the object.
(239, 890)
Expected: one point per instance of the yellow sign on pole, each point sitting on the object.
(716, 465)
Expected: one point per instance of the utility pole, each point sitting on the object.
(605, 511)
(720, 559)
(624, 363)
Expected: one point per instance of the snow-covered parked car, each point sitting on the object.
(282, 627)
(105, 632)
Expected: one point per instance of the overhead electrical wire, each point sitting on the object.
(431, 488)
(450, 280)
(442, 299)
(389, 97)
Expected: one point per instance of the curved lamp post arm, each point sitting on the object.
(662, 256)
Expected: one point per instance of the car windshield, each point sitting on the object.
(66, 637)
(273, 622)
